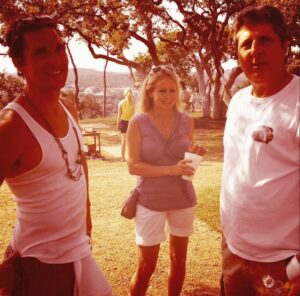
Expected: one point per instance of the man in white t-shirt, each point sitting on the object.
(260, 183)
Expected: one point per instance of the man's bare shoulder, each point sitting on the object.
(13, 135)
(13, 129)
(10, 121)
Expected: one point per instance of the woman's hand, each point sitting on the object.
(182, 167)
(198, 149)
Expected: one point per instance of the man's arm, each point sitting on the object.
(88, 203)
(11, 143)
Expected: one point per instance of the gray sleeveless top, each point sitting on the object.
(166, 192)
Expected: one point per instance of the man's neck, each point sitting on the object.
(43, 99)
(263, 90)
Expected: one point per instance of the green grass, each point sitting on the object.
(109, 120)
(208, 184)
(210, 133)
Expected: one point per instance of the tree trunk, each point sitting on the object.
(226, 93)
(76, 98)
(201, 87)
(235, 72)
(104, 87)
(206, 104)
(224, 108)
(206, 107)
(132, 78)
(216, 114)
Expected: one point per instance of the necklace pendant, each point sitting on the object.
(75, 177)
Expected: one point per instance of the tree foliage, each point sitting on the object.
(10, 87)
(186, 33)
(90, 108)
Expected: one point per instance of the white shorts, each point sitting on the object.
(150, 225)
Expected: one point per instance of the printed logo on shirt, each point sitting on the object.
(263, 134)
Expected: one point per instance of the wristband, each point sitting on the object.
(293, 268)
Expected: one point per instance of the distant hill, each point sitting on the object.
(94, 78)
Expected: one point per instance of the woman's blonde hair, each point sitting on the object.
(129, 95)
(149, 84)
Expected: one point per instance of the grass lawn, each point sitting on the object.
(210, 133)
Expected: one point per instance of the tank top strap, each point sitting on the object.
(71, 118)
(32, 124)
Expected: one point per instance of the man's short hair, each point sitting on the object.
(262, 14)
(15, 35)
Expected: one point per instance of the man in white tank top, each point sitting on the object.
(260, 183)
(42, 162)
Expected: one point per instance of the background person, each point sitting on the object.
(125, 112)
(260, 184)
(42, 162)
(157, 139)
(185, 98)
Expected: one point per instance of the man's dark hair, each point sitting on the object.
(262, 14)
(15, 35)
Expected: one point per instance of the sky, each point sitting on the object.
(84, 59)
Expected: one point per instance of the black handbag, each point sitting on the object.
(129, 205)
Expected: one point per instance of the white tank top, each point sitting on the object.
(51, 208)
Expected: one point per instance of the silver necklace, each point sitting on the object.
(75, 173)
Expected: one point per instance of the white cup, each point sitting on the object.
(196, 160)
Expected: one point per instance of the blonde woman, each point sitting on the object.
(125, 112)
(157, 139)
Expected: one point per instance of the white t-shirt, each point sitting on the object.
(260, 185)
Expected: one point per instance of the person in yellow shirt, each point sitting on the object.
(125, 112)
